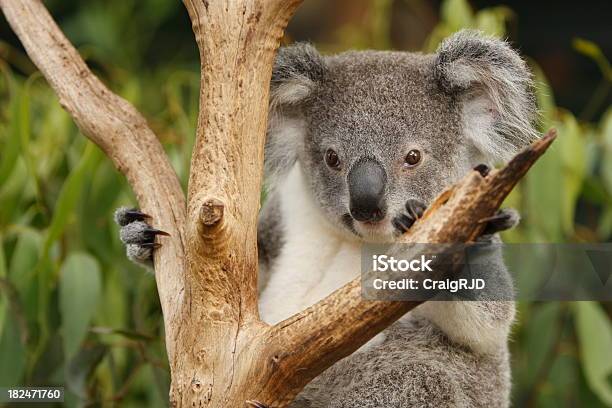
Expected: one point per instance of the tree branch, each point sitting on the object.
(118, 129)
(237, 42)
(221, 352)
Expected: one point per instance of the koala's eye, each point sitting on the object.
(332, 159)
(412, 158)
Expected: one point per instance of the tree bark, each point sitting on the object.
(220, 353)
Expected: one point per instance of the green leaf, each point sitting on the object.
(545, 318)
(80, 287)
(69, 195)
(543, 184)
(128, 334)
(544, 190)
(95, 209)
(595, 341)
(22, 269)
(3, 268)
(492, 21)
(81, 366)
(13, 193)
(573, 155)
(25, 132)
(10, 150)
(587, 48)
(116, 308)
(12, 354)
(3, 273)
(559, 384)
(457, 14)
(24, 259)
(606, 162)
(605, 223)
(592, 50)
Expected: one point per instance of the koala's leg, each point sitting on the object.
(137, 235)
(416, 366)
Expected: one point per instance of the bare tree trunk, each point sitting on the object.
(221, 354)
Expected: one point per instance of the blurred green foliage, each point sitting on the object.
(75, 312)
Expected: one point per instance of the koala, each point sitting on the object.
(358, 145)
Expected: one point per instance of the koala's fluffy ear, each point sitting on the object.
(298, 70)
(495, 88)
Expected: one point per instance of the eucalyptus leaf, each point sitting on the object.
(544, 187)
(573, 156)
(13, 353)
(606, 162)
(3, 274)
(80, 287)
(492, 21)
(22, 269)
(70, 194)
(25, 257)
(10, 149)
(457, 14)
(81, 366)
(595, 340)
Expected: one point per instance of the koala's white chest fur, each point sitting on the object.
(314, 260)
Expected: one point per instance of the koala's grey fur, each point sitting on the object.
(469, 103)
(416, 366)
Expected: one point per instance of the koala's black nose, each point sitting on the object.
(366, 182)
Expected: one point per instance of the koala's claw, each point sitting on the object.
(125, 216)
(137, 235)
(483, 169)
(153, 245)
(415, 210)
(402, 223)
(504, 219)
(155, 231)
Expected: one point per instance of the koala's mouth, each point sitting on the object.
(373, 224)
(368, 230)
(380, 226)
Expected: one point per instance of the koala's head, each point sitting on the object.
(371, 130)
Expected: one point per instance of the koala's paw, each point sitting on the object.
(137, 235)
(414, 211)
(504, 219)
